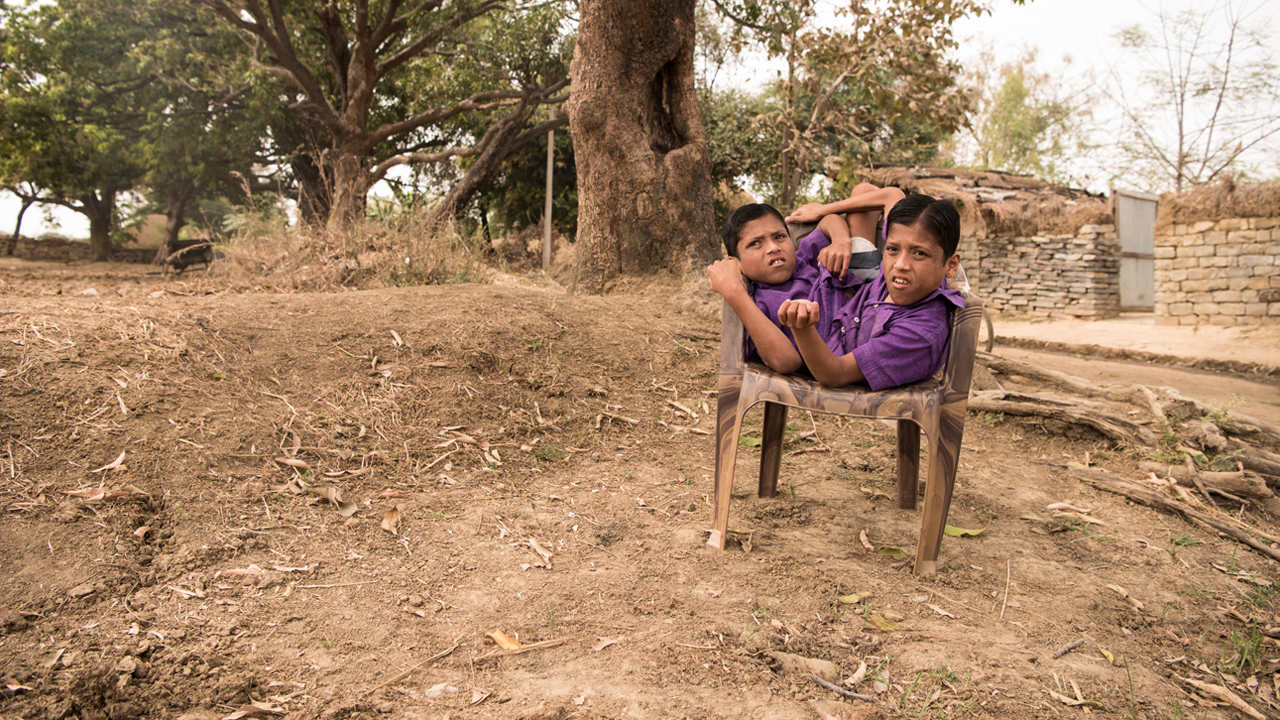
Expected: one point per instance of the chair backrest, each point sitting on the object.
(962, 348)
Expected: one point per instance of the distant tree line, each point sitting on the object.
(197, 108)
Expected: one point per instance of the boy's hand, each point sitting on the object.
(836, 256)
(807, 213)
(725, 276)
(798, 314)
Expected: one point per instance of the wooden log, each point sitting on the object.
(1257, 460)
(1110, 483)
(1243, 484)
(1132, 394)
(1116, 428)
(1243, 425)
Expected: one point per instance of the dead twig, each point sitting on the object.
(1006, 587)
(1067, 648)
(1235, 531)
(524, 648)
(414, 669)
(350, 584)
(837, 689)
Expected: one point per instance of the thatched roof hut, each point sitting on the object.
(1219, 202)
(1000, 204)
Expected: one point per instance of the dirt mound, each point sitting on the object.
(322, 504)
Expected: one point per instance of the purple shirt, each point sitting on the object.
(894, 345)
(814, 282)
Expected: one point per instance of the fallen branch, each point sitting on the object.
(1225, 695)
(1133, 394)
(836, 688)
(1237, 483)
(1067, 648)
(524, 648)
(414, 669)
(1104, 481)
(1011, 403)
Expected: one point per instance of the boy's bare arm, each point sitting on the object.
(882, 199)
(771, 343)
(828, 368)
(836, 256)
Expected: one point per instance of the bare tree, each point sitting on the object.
(1198, 99)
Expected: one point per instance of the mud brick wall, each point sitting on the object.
(1051, 276)
(1218, 273)
(68, 251)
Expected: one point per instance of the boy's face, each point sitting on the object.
(765, 251)
(913, 264)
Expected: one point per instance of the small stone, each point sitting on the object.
(386, 708)
(127, 665)
(415, 601)
(80, 591)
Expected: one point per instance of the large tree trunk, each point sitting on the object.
(100, 208)
(315, 197)
(175, 217)
(17, 228)
(644, 182)
(351, 183)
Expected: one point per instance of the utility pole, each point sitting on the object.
(546, 209)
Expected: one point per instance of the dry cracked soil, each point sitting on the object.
(328, 506)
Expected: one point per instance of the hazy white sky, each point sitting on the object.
(1081, 29)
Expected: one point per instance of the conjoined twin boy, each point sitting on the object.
(824, 307)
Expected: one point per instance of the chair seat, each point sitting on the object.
(935, 406)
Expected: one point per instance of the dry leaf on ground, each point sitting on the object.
(604, 642)
(112, 465)
(391, 519)
(503, 641)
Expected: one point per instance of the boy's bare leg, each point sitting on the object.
(863, 224)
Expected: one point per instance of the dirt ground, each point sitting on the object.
(481, 438)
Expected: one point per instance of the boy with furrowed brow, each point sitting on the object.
(894, 331)
(831, 261)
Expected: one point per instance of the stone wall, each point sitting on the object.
(68, 251)
(1222, 272)
(1050, 275)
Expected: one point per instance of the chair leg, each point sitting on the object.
(728, 426)
(775, 424)
(908, 463)
(944, 458)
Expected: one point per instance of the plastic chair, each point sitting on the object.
(935, 405)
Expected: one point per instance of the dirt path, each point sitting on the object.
(1256, 399)
(471, 420)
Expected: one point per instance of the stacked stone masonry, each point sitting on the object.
(1218, 273)
(1051, 276)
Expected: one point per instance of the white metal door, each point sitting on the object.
(1136, 224)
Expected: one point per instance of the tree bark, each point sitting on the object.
(351, 184)
(175, 217)
(17, 229)
(644, 182)
(100, 208)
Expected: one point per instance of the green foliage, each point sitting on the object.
(1242, 655)
(1025, 120)
(516, 195)
(878, 87)
(549, 453)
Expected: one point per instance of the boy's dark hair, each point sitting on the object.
(731, 232)
(939, 218)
